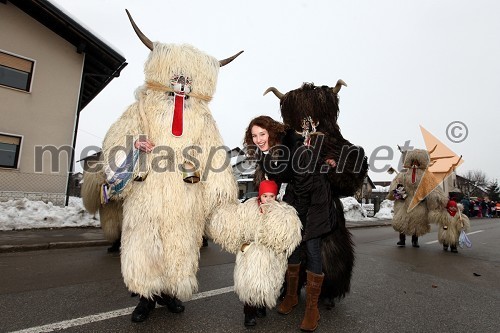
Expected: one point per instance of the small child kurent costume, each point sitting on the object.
(450, 227)
(269, 232)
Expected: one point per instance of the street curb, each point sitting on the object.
(51, 245)
(360, 226)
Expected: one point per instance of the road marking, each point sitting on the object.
(470, 233)
(474, 232)
(111, 314)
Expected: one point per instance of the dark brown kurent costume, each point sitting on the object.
(312, 110)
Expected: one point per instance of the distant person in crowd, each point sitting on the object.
(466, 204)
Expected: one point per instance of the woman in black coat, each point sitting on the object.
(286, 156)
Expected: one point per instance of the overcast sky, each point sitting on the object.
(406, 63)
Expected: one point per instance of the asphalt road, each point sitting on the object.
(393, 290)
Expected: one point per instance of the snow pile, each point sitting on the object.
(353, 210)
(382, 189)
(25, 214)
(386, 211)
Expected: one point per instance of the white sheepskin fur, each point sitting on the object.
(259, 274)
(416, 221)
(164, 217)
(273, 233)
(276, 227)
(280, 229)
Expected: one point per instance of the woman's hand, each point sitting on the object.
(331, 162)
(144, 145)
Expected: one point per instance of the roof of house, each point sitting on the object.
(382, 183)
(372, 185)
(102, 62)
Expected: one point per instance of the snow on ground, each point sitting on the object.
(25, 214)
(353, 210)
(386, 211)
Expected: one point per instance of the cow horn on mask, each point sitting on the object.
(228, 60)
(275, 91)
(139, 33)
(150, 45)
(339, 85)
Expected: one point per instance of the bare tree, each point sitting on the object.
(474, 179)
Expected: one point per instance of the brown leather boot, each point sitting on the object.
(292, 282)
(313, 289)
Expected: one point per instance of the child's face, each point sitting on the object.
(267, 197)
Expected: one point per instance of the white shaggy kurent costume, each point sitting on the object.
(271, 234)
(164, 217)
(449, 229)
(430, 201)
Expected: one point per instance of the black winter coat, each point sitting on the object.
(308, 189)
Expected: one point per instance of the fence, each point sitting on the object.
(33, 186)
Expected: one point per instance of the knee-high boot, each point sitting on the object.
(313, 289)
(292, 282)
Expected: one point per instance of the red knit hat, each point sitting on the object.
(268, 186)
(451, 204)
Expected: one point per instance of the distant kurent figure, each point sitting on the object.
(451, 226)
(419, 201)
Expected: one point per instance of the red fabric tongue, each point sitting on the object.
(414, 175)
(177, 121)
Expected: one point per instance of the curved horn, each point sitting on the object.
(141, 36)
(339, 85)
(275, 91)
(228, 60)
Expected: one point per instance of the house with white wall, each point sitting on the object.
(51, 67)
